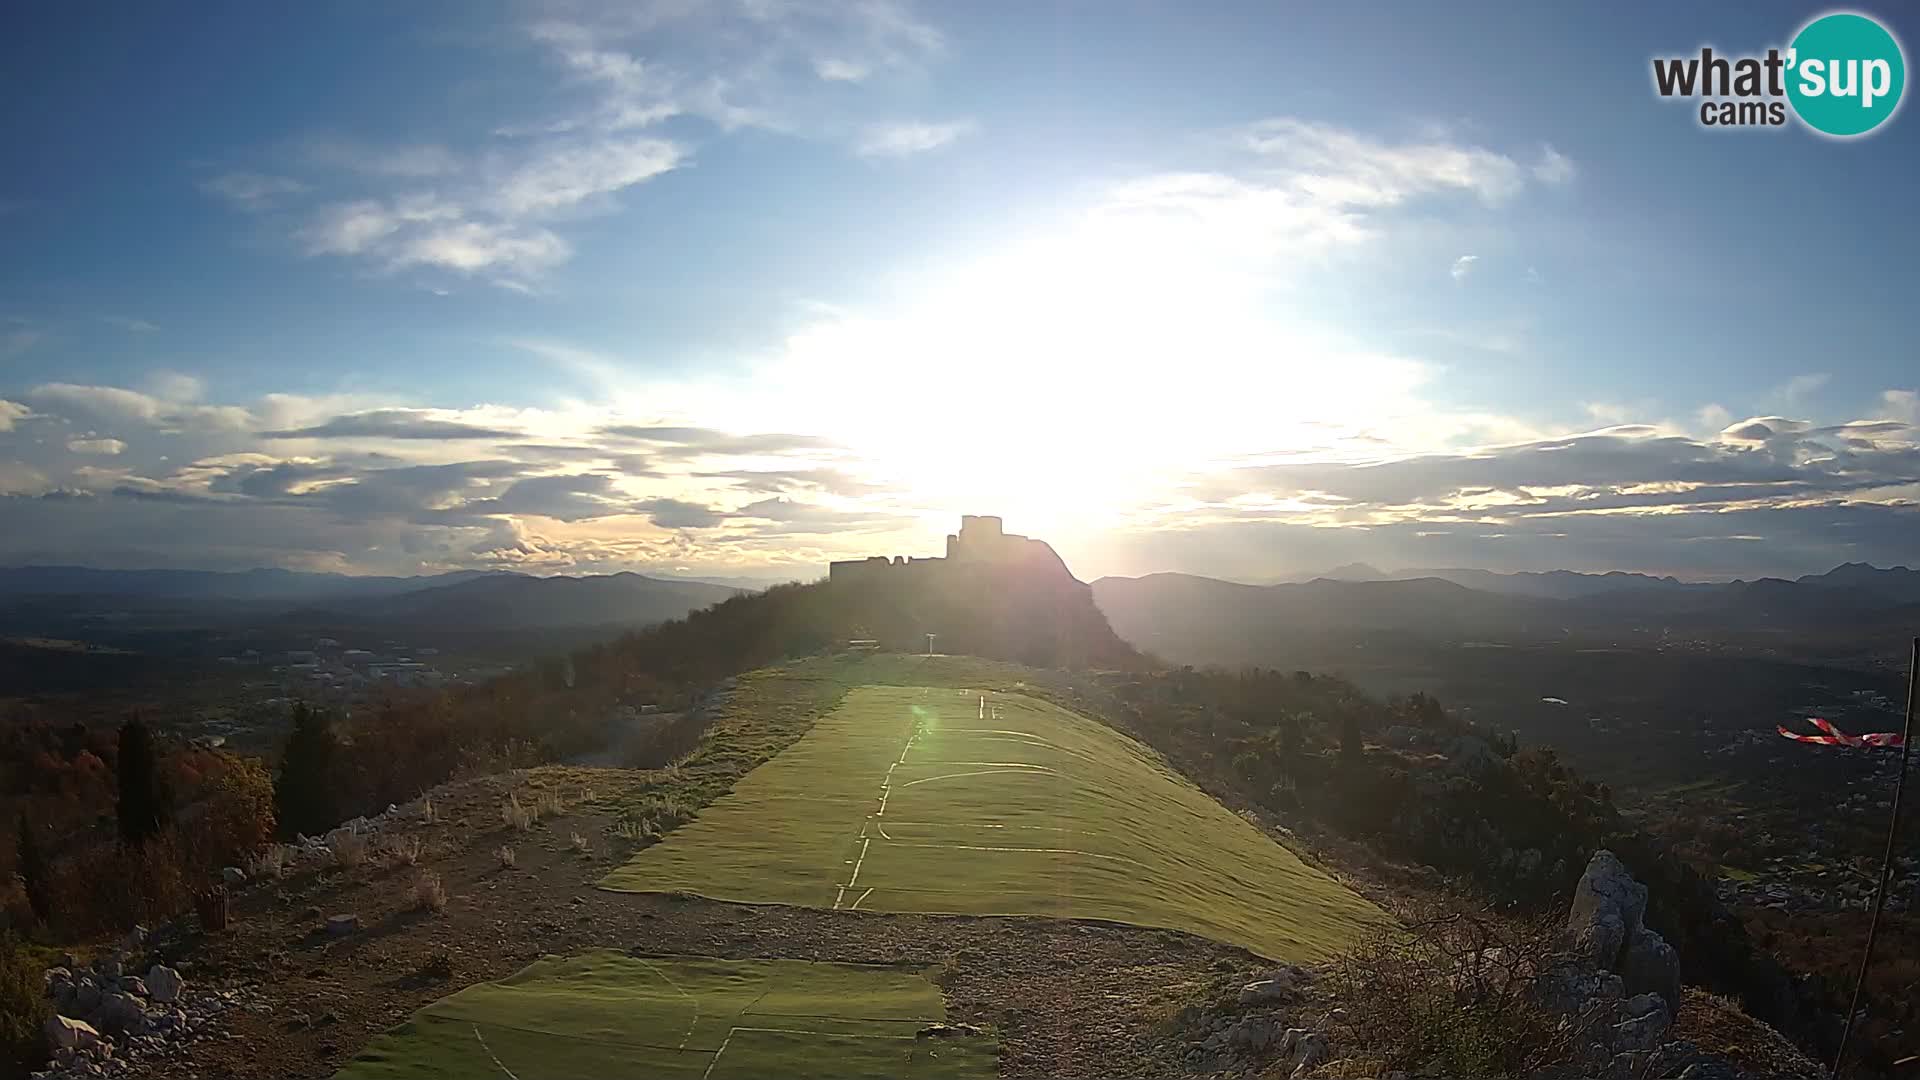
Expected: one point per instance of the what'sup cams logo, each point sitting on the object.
(1842, 76)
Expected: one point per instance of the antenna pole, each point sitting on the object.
(1886, 862)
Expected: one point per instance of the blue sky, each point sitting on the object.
(1244, 289)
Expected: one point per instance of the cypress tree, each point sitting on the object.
(141, 809)
(303, 792)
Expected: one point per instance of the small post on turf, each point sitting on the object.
(930, 638)
(1886, 862)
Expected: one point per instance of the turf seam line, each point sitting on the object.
(617, 1043)
(1029, 771)
(863, 896)
(688, 1037)
(496, 1058)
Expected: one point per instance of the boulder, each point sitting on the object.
(120, 1013)
(1310, 1052)
(1648, 965)
(164, 984)
(233, 877)
(66, 1033)
(1253, 1034)
(342, 925)
(86, 995)
(1608, 907)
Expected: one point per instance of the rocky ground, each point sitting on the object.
(344, 939)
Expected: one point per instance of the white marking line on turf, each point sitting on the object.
(863, 896)
(1026, 770)
(496, 1058)
(886, 792)
(668, 979)
(731, 1032)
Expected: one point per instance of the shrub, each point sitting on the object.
(438, 966)
(549, 804)
(517, 816)
(580, 844)
(505, 854)
(407, 852)
(1452, 995)
(23, 1008)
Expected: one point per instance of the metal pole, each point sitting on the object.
(1886, 861)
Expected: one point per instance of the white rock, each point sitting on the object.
(66, 1033)
(164, 983)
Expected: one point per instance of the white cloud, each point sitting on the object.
(1798, 387)
(252, 191)
(1553, 167)
(106, 447)
(1904, 404)
(1305, 190)
(411, 161)
(834, 69)
(11, 411)
(134, 326)
(569, 175)
(1463, 266)
(910, 137)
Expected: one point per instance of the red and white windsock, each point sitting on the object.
(1833, 736)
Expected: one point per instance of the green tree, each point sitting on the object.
(303, 793)
(142, 808)
(33, 871)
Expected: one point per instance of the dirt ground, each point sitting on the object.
(1066, 999)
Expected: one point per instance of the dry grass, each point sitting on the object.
(406, 852)
(349, 848)
(504, 853)
(429, 893)
(518, 816)
(579, 844)
(549, 804)
(427, 814)
(272, 862)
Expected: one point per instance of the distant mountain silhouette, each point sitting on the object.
(515, 600)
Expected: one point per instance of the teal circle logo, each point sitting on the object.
(1845, 73)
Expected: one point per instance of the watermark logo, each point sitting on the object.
(1842, 75)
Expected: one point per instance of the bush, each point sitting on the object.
(429, 893)
(23, 1008)
(1451, 995)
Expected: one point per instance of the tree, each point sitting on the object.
(33, 871)
(303, 793)
(142, 808)
(1350, 742)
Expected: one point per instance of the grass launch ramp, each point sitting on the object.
(933, 799)
(605, 1014)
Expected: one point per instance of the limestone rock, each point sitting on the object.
(1608, 907)
(66, 1033)
(1649, 965)
(164, 984)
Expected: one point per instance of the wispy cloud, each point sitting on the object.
(105, 447)
(907, 138)
(253, 192)
(1799, 387)
(1462, 267)
(134, 326)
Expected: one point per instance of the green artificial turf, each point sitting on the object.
(604, 1014)
(937, 799)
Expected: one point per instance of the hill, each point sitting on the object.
(522, 602)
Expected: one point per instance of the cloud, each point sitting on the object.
(570, 175)
(833, 69)
(688, 442)
(905, 139)
(1800, 386)
(252, 192)
(679, 514)
(415, 161)
(134, 326)
(1297, 189)
(107, 447)
(1463, 266)
(1553, 167)
(393, 424)
(17, 341)
(1904, 404)
(11, 411)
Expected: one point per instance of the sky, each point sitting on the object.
(742, 286)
